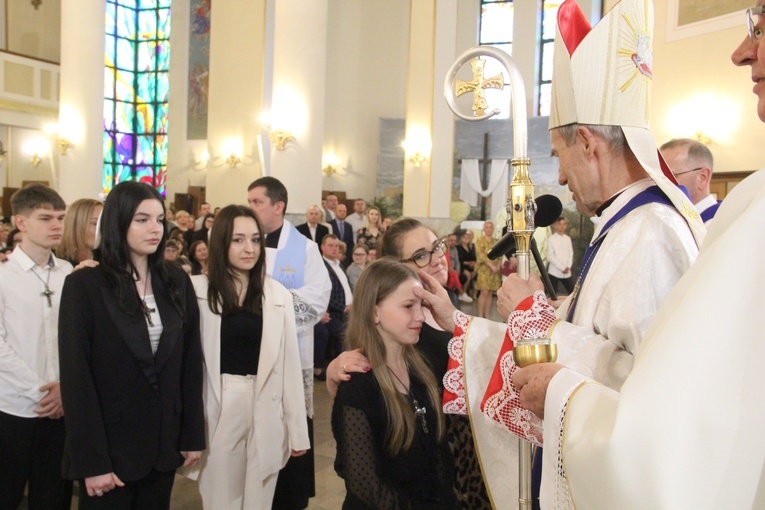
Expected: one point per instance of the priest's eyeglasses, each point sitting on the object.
(755, 33)
(423, 258)
(689, 171)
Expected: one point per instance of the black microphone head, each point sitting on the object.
(549, 208)
(504, 246)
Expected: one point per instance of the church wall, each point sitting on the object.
(696, 87)
(365, 81)
(33, 32)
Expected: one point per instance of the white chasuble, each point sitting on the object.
(686, 429)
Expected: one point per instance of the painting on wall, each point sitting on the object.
(199, 69)
(691, 18)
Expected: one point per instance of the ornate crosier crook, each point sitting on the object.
(521, 206)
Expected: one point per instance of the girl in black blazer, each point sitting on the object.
(131, 362)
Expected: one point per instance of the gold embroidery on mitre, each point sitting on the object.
(636, 60)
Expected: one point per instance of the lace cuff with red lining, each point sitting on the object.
(454, 380)
(533, 318)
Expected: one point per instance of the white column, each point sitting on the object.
(82, 98)
(297, 98)
(237, 44)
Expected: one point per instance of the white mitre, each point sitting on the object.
(602, 76)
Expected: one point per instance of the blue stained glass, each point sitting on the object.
(125, 84)
(125, 114)
(125, 54)
(147, 24)
(126, 22)
(163, 56)
(146, 86)
(146, 61)
(136, 86)
(111, 17)
(163, 24)
(545, 91)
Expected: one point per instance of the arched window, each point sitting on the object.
(136, 83)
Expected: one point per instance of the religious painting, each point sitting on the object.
(199, 70)
(691, 18)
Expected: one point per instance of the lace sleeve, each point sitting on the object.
(357, 460)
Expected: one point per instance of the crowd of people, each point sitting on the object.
(165, 343)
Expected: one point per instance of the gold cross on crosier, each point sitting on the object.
(478, 85)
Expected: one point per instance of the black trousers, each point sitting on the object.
(296, 483)
(568, 283)
(151, 492)
(30, 453)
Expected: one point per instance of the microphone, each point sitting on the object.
(549, 208)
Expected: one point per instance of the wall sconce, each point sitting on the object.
(36, 4)
(701, 137)
(417, 146)
(233, 160)
(3, 152)
(280, 138)
(35, 149)
(35, 160)
(64, 145)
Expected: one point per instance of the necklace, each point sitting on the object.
(47, 292)
(144, 307)
(419, 411)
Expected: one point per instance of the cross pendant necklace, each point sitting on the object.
(419, 411)
(47, 292)
(146, 310)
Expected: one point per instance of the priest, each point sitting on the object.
(685, 431)
(646, 236)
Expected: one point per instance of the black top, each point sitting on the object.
(272, 239)
(466, 256)
(420, 478)
(434, 347)
(241, 334)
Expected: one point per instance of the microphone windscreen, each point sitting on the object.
(502, 247)
(549, 208)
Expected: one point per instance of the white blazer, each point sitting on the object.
(280, 418)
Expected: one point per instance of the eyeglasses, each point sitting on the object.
(423, 258)
(360, 254)
(689, 171)
(755, 33)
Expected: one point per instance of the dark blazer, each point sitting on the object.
(321, 231)
(336, 307)
(127, 410)
(347, 233)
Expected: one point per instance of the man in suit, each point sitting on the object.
(332, 325)
(341, 228)
(312, 229)
(691, 161)
(331, 209)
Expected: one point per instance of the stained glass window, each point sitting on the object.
(136, 83)
(549, 20)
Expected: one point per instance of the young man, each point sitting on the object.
(31, 414)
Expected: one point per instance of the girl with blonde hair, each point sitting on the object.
(387, 422)
(79, 237)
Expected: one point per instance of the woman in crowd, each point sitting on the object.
(418, 247)
(79, 237)
(177, 235)
(372, 231)
(203, 233)
(488, 279)
(198, 255)
(185, 223)
(358, 263)
(253, 392)
(387, 422)
(466, 254)
(131, 362)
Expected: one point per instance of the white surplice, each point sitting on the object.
(640, 260)
(686, 430)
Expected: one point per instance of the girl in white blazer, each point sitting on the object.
(253, 388)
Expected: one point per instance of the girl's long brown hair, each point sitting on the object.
(377, 282)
